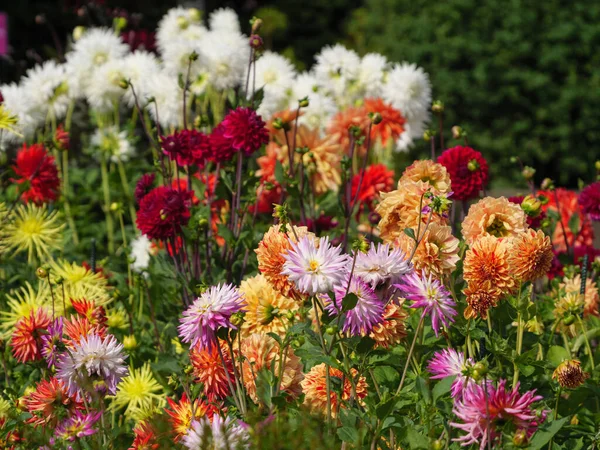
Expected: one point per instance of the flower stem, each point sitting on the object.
(519, 346)
(107, 213)
(127, 190)
(587, 342)
(410, 352)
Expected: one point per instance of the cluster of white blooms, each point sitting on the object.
(215, 55)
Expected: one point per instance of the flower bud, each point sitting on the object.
(303, 102)
(374, 218)
(532, 206)
(597, 165)
(119, 23)
(375, 118)
(237, 319)
(123, 83)
(256, 24)
(457, 132)
(569, 374)
(569, 320)
(331, 330)
(78, 32)
(528, 172)
(473, 165)
(41, 273)
(547, 184)
(203, 223)
(130, 342)
(575, 420)
(195, 14)
(114, 206)
(520, 438)
(428, 135)
(182, 23)
(437, 107)
(438, 444)
(481, 367)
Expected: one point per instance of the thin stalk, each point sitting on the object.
(587, 342)
(108, 215)
(127, 190)
(520, 330)
(410, 352)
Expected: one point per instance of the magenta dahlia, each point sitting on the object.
(468, 171)
(451, 363)
(163, 211)
(589, 200)
(245, 129)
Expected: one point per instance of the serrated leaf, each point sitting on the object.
(384, 409)
(557, 354)
(416, 440)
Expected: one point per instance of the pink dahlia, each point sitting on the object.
(52, 342)
(468, 171)
(163, 211)
(429, 293)
(483, 412)
(367, 312)
(315, 267)
(209, 312)
(450, 363)
(589, 200)
(381, 264)
(245, 129)
(77, 426)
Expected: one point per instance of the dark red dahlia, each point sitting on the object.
(61, 138)
(221, 149)
(321, 224)
(35, 165)
(143, 186)
(186, 147)
(140, 39)
(245, 129)
(377, 178)
(163, 211)
(589, 200)
(468, 171)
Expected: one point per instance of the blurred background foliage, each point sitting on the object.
(522, 77)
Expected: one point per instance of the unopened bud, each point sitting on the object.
(182, 23)
(41, 273)
(119, 23)
(528, 173)
(547, 184)
(473, 165)
(437, 107)
(457, 132)
(193, 56)
(428, 135)
(78, 32)
(331, 330)
(237, 319)
(203, 223)
(303, 102)
(569, 320)
(597, 165)
(520, 438)
(532, 206)
(375, 118)
(256, 24)
(130, 342)
(438, 444)
(123, 83)
(114, 206)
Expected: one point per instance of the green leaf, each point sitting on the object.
(574, 223)
(416, 440)
(347, 434)
(276, 337)
(442, 387)
(225, 233)
(349, 301)
(410, 233)
(545, 433)
(556, 355)
(384, 409)
(365, 345)
(423, 389)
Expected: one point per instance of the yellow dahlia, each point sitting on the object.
(21, 303)
(495, 217)
(437, 253)
(393, 328)
(569, 304)
(591, 297)
(314, 387)
(261, 352)
(481, 296)
(487, 260)
(530, 255)
(270, 255)
(429, 172)
(266, 309)
(140, 393)
(79, 282)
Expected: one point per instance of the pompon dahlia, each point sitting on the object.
(209, 370)
(569, 374)
(314, 387)
(392, 122)
(315, 267)
(48, 402)
(495, 217)
(180, 414)
(591, 297)
(376, 178)
(481, 413)
(569, 207)
(381, 264)
(144, 185)
(163, 211)
(266, 309)
(481, 296)
(77, 426)
(367, 312)
(392, 329)
(488, 260)
(26, 340)
(427, 171)
(218, 434)
(262, 352)
(429, 293)
(209, 312)
(245, 129)
(271, 253)
(221, 147)
(36, 166)
(451, 363)
(186, 147)
(530, 255)
(589, 200)
(468, 171)
(93, 364)
(437, 252)
(53, 341)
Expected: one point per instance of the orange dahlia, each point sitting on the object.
(266, 309)
(78, 327)
(481, 296)
(487, 260)
(591, 298)
(314, 387)
(392, 122)
(493, 217)
(49, 402)
(261, 352)
(393, 328)
(530, 255)
(569, 207)
(209, 370)
(437, 253)
(96, 315)
(429, 172)
(270, 254)
(26, 340)
(343, 120)
(180, 414)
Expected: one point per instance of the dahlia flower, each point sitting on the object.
(226, 55)
(569, 374)
(93, 363)
(35, 166)
(224, 19)
(218, 434)
(481, 412)
(315, 267)
(186, 147)
(168, 98)
(48, 402)
(375, 179)
(179, 23)
(26, 340)
(530, 255)
(335, 68)
(144, 437)
(21, 303)
(392, 328)
(209, 312)
(52, 341)
(163, 211)
(481, 296)
(209, 370)
(49, 81)
(142, 249)
(77, 426)
(589, 200)
(144, 185)
(451, 363)
(488, 260)
(427, 171)
(495, 217)
(371, 74)
(429, 293)
(368, 311)
(381, 264)
(138, 392)
(468, 171)
(180, 414)
(245, 129)
(591, 298)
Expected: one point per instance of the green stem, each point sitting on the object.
(555, 415)
(127, 190)
(587, 342)
(520, 330)
(410, 352)
(107, 213)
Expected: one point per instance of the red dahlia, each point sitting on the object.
(245, 129)
(468, 171)
(61, 138)
(589, 200)
(35, 165)
(143, 186)
(220, 146)
(186, 147)
(163, 211)
(26, 341)
(377, 178)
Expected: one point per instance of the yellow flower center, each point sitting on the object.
(497, 228)
(313, 265)
(32, 226)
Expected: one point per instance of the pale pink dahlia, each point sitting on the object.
(208, 313)
(449, 363)
(218, 434)
(380, 264)
(315, 267)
